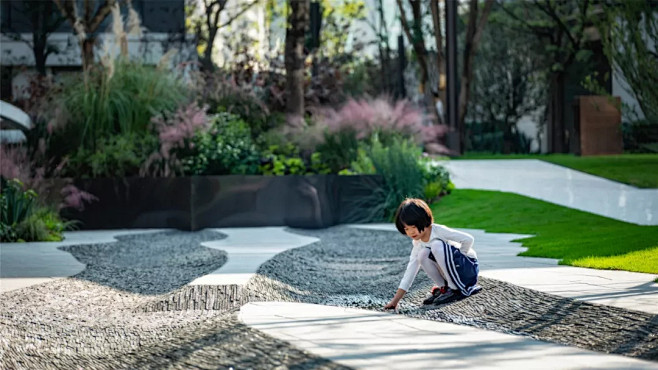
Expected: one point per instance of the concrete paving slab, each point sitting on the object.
(498, 259)
(560, 185)
(247, 249)
(370, 340)
(27, 264)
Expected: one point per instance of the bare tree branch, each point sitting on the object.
(89, 7)
(405, 23)
(239, 13)
(552, 12)
(488, 4)
(68, 9)
(100, 15)
(417, 42)
(438, 39)
(537, 30)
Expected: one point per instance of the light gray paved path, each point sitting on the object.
(247, 249)
(370, 340)
(26, 264)
(560, 185)
(498, 260)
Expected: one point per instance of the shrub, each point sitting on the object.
(339, 149)
(17, 164)
(119, 155)
(22, 218)
(17, 204)
(488, 137)
(282, 160)
(436, 179)
(225, 148)
(640, 136)
(175, 132)
(405, 174)
(224, 95)
(115, 100)
(402, 177)
(361, 120)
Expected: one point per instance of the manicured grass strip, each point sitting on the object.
(644, 260)
(574, 237)
(639, 170)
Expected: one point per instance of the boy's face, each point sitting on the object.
(413, 233)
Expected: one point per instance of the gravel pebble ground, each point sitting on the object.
(131, 307)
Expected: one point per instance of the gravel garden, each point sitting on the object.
(131, 307)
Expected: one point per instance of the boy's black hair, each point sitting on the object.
(413, 212)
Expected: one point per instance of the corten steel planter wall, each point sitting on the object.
(597, 126)
(194, 203)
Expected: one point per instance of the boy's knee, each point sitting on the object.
(423, 254)
(438, 247)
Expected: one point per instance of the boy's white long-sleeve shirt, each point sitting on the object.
(459, 239)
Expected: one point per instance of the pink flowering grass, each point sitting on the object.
(17, 164)
(381, 115)
(75, 198)
(174, 132)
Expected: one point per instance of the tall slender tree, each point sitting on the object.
(507, 83)
(476, 21)
(298, 23)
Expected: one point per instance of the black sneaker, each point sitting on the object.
(448, 296)
(436, 291)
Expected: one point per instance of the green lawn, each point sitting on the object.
(574, 237)
(639, 170)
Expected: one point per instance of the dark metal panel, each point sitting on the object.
(193, 203)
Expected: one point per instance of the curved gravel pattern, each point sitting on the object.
(149, 263)
(362, 268)
(116, 314)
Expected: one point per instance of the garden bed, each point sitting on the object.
(198, 202)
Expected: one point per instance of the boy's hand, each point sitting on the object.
(391, 306)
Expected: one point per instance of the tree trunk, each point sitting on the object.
(438, 39)
(507, 137)
(473, 36)
(39, 40)
(40, 59)
(298, 21)
(385, 49)
(206, 62)
(416, 40)
(556, 137)
(440, 62)
(88, 52)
